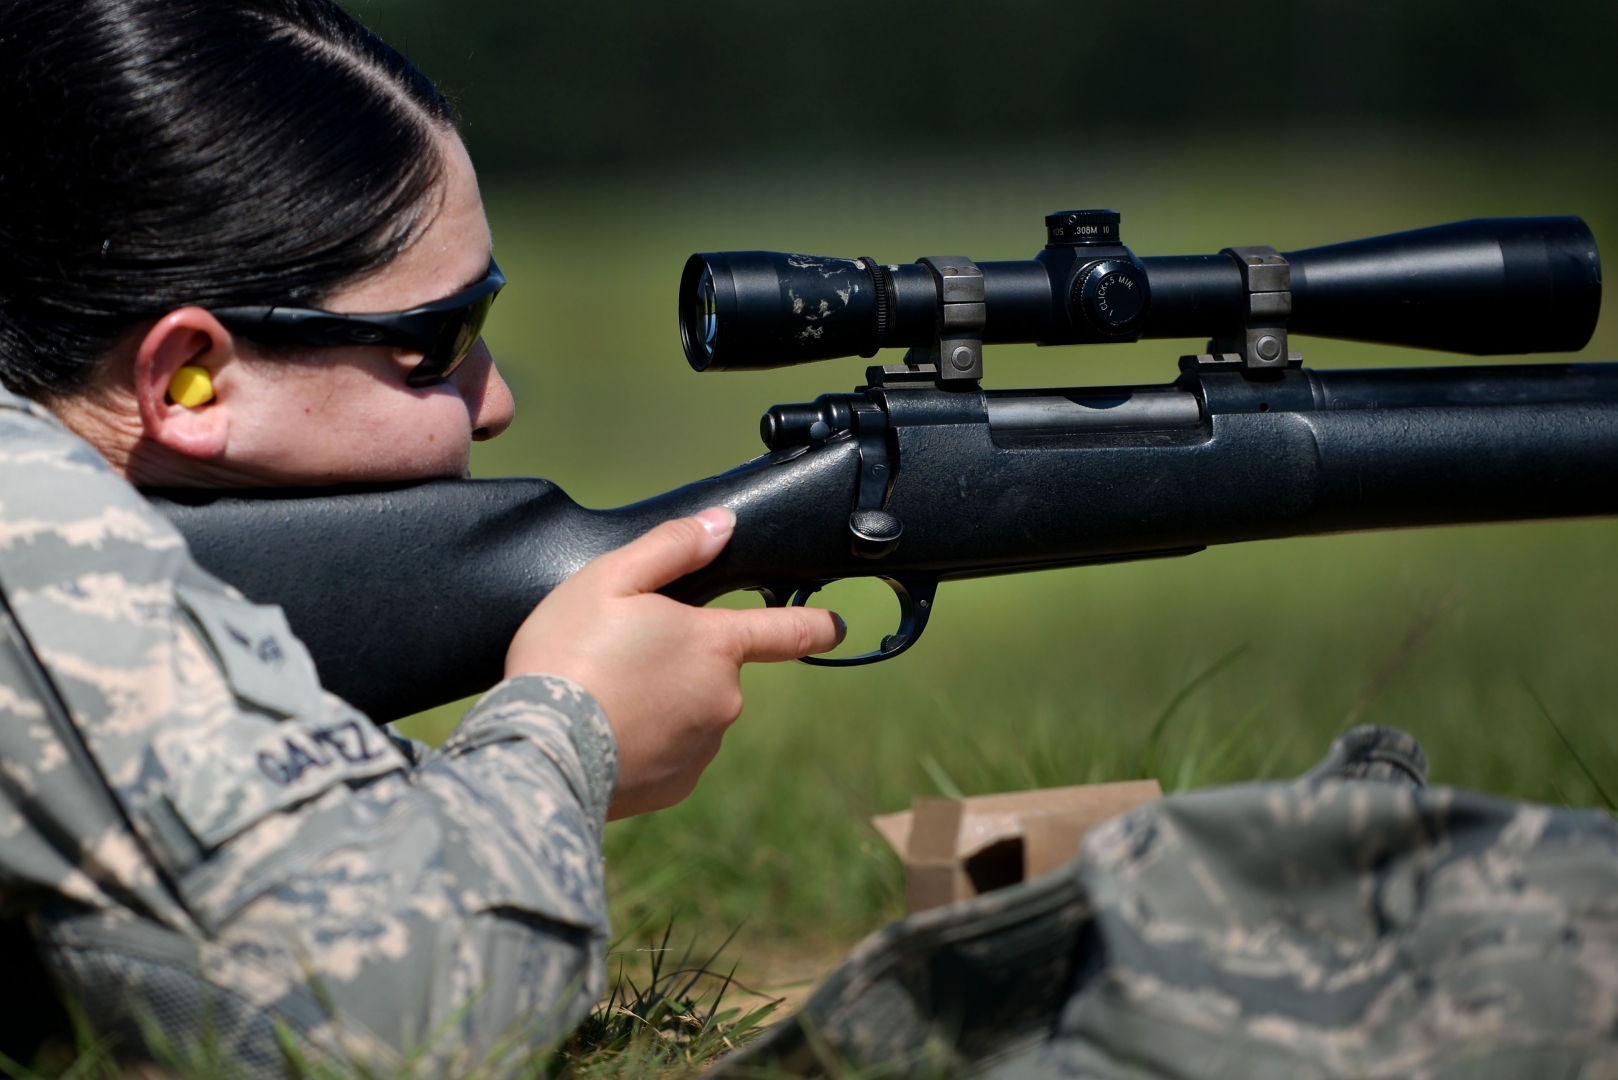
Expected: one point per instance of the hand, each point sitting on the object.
(667, 675)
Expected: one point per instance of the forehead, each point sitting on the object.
(451, 252)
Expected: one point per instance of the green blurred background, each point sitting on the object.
(616, 139)
(548, 82)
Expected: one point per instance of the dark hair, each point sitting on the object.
(159, 153)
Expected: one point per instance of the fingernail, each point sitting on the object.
(718, 520)
(842, 627)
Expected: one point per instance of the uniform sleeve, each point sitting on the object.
(194, 822)
(557, 719)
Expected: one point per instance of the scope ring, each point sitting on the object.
(915, 595)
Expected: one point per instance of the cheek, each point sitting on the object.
(412, 435)
(343, 430)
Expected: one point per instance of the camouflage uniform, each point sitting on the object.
(201, 836)
(1354, 923)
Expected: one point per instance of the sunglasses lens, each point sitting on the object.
(455, 340)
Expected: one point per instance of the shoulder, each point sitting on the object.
(19, 404)
(62, 505)
(37, 448)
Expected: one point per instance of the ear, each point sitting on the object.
(188, 336)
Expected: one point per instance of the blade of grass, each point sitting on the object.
(707, 1021)
(1226, 745)
(704, 969)
(946, 786)
(1409, 648)
(1148, 754)
(1272, 758)
(1578, 758)
(1020, 756)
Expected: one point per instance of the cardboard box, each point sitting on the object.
(954, 849)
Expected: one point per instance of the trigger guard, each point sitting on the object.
(915, 607)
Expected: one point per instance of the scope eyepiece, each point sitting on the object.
(699, 319)
(763, 309)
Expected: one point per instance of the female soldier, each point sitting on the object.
(196, 834)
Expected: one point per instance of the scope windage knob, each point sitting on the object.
(1078, 228)
(1110, 296)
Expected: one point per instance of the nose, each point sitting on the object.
(488, 399)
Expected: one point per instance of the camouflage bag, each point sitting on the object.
(1351, 923)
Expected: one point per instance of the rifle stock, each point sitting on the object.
(408, 596)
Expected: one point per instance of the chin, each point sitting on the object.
(458, 468)
(390, 476)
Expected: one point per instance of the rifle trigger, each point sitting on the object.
(916, 597)
(782, 593)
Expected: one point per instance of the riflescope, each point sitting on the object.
(1486, 286)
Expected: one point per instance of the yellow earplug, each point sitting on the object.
(191, 386)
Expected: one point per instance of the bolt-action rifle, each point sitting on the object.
(407, 596)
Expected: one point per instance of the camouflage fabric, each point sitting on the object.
(1353, 923)
(199, 834)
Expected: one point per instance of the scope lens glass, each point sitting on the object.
(704, 313)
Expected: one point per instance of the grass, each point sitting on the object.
(674, 1024)
(1069, 676)
(669, 1022)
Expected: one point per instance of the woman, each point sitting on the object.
(194, 831)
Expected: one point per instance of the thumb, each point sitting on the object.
(672, 550)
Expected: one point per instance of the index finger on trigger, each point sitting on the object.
(770, 635)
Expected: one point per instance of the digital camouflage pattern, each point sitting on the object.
(201, 836)
(1353, 923)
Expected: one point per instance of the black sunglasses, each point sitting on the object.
(443, 331)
